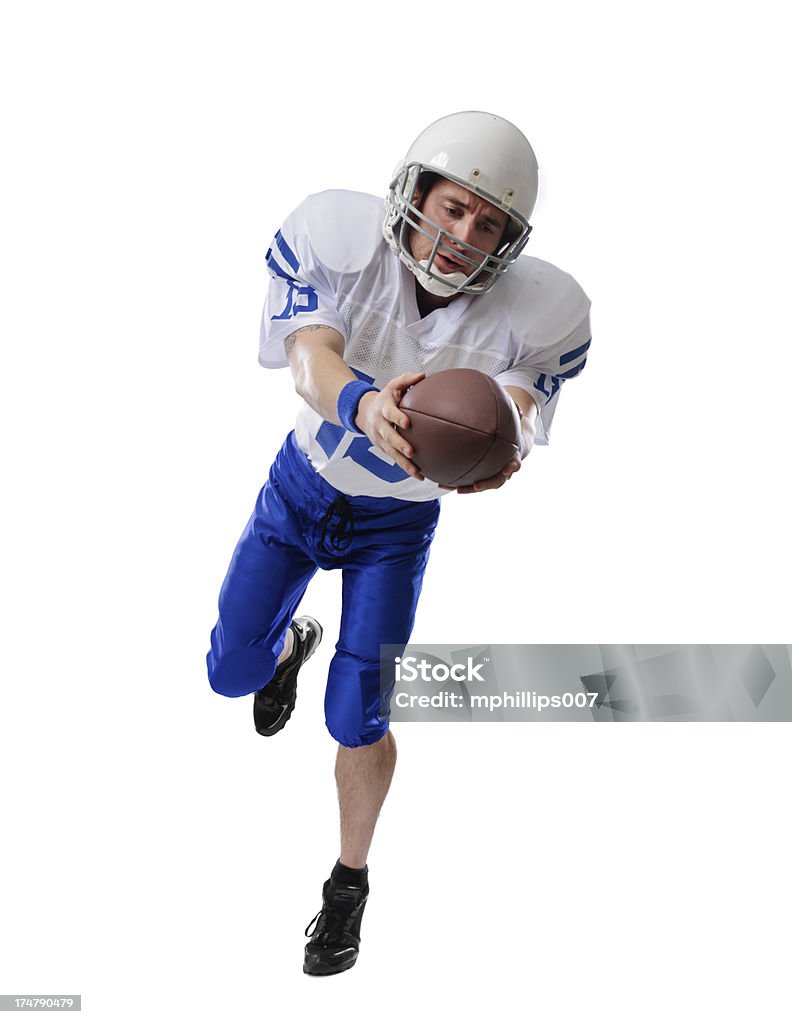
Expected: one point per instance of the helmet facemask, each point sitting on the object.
(404, 215)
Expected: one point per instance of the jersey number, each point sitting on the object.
(294, 305)
(361, 451)
(542, 384)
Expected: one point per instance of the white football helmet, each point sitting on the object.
(485, 154)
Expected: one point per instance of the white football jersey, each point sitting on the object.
(330, 265)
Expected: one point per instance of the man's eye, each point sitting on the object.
(451, 211)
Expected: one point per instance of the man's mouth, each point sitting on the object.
(450, 266)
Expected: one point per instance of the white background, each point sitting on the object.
(157, 855)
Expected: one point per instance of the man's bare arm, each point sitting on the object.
(528, 414)
(315, 355)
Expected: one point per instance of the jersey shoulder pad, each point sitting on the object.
(344, 229)
(544, 296)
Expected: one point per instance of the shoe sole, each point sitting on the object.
(322, 971)
(309, 650)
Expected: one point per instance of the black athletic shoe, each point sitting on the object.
(272, 706)
(335, 940)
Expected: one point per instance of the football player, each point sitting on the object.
(361, 308)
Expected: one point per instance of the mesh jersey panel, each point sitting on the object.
(383, 349)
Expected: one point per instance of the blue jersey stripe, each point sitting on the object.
(573, 372)
(567, 357)
(276, 268)
(288, 255)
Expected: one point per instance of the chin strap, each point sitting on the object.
(449, 285)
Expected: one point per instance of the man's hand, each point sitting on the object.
(379, 414)
(492, 482)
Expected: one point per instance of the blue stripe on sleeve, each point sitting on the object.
(567, 357)
(275, 268)
(288, 255)
(573, 372)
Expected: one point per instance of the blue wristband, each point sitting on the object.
(348, 401)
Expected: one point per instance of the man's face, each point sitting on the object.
(462, 213)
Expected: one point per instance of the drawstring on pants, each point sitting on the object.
(340, 533)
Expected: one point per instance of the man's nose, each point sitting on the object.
(464, 232)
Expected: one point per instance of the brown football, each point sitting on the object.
(463, 426)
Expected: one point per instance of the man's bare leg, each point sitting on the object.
(363, 776)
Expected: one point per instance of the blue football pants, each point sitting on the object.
(301, 524)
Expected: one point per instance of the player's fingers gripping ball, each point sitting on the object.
(464, 427)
